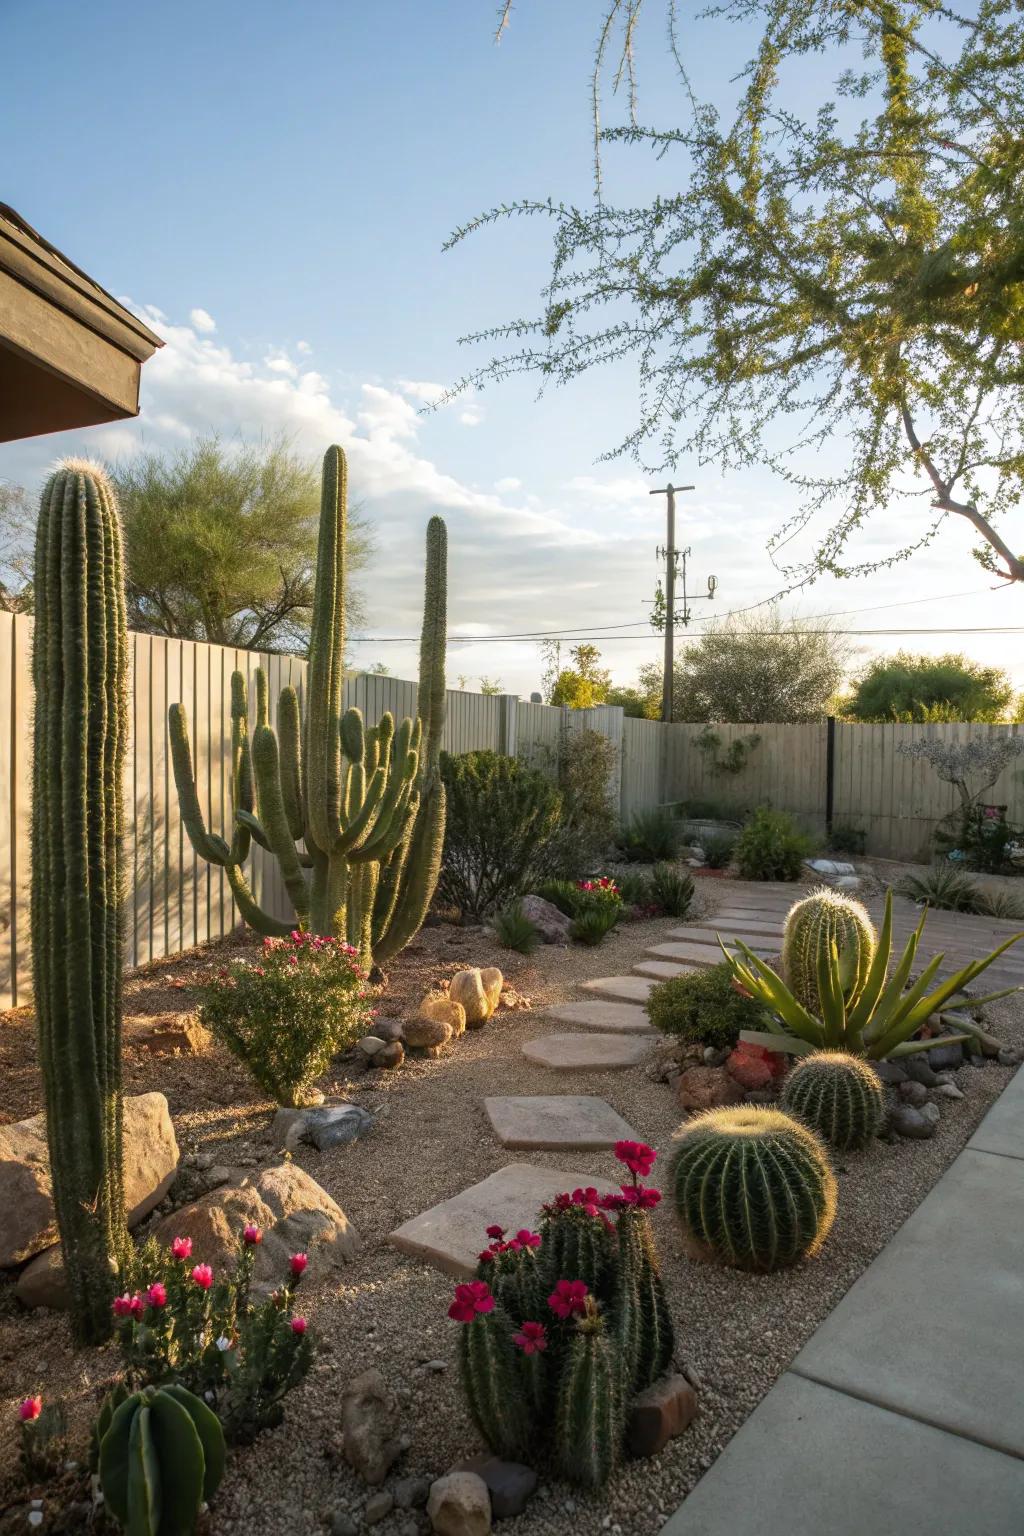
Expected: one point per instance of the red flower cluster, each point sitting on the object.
(532, 1338)
(604, 884)
(181, 1248)
(637, 1156)
(568, 1297)
(30, 1408)
(129, 1306)
(524, 1238)
(471, 1298)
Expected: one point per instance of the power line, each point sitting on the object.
(990, 629)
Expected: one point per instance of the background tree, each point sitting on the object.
(221, 541)
(17, 544)
(848, 276)
(754, 668)
(922, 688)
(585, 683)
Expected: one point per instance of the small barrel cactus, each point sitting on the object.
(837, 1095)
(487, 1361)
(161, 1458)
(821, 919)
(754, 1185)
(588, 1416)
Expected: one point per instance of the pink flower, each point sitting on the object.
(252, 1235)
(298, 1264)
(588, 1196)
(471, 1298)
(613, 1203)
(487, 1257)
(637, 1156)
(202, 1274)
(496, 1232)
(527, 1239)
(638, 1195)
(298, 1325)
(531, 1339)
(30, 1408)
(157, 1294)
(122, 1306)
(568, 1296)
(181, 1248)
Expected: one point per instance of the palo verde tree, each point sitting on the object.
(929, 688)
(851, 275)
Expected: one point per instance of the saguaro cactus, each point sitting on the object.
(354, 816)
(80, 670)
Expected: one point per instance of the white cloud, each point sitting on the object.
(618, 492)
(303, 347)
(424, 392)
(279, 363)
(202, 320)
(509, 483)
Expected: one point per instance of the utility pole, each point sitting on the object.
(670, 553)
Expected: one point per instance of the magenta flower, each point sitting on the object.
(30, 1408)
(496, 1232)
(181, 1248)
(568, 1296)
(298, 1264)
(638, 1195)
(471, 1298)
(532, 1338)
(252, 1235)
(157, 1294)
(202, 1274)
(298, 1325)
(487, 1257)
(123, 1306)
(637, 1156)
(528, 1239)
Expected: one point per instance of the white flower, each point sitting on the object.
(223, 1343)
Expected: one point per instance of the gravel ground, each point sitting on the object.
(735, 1332)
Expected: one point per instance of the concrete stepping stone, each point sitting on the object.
(664, 970)
(693, 954)
(701, 927)
(552, 1122)
(585, 1053)
(749, 915)
(610, 1018)
(627, 989)
(450, 1235)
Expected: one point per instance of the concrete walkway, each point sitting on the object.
(904, 1413)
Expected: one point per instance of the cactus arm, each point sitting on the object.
(432, 700)
(243, 796)
(322, 762)
(392, 866)
(421, 867)
(208, 845)
(359, 823)
(279, 837)
(254, 827)
(289, 734)
(249, 908)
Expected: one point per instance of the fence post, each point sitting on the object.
(508, 724)
(830, 771)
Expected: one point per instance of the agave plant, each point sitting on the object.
(877, 1021)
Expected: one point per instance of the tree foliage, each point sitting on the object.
(221, 544)
(929, 688)
(584, 684)
(839, 293)
(17, 546)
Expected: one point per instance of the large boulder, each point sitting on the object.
(27, 1220)
(293, 1212)
(552, 925)
(426, 1034)
(167, 1034)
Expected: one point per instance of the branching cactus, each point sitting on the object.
(80, 671)
(823, 918)
(353, 815)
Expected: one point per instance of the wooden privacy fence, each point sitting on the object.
(176, 900)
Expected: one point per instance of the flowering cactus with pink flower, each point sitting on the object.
(562, 1326)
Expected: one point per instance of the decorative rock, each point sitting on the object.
(42, 1282)
(370, 1045)
(392, 1055)
(552, 925)
(493, 982)
(913, 1093)
(659, 1414)
(436, 1006)
(851, 884)
(753, 1067)
(388, 1029)
(369, 1423)
(322, 1126)
(412, 1492)
(27, 1220)
(467, 988)
(510, 1484)
(421, 1033)
(167, 1034)
(951, 1056)
(342, 1524)
(918, 1068)
(949, 1091)
(378, 1507)
(459, 1504)
(890, 1071)
(1008, 1057)
(707, 1088)
(294, 1213)
(913, 1123)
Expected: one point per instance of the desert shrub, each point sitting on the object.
(594, 924)
(718, 847)
(649, 837)
(1005, 904)
(982, 837)
(671, 890)
(513, 929)
(771, 847)
(586, 763)
(288, 1012)
(505, 831)
(943, 887)
(574, 897)
(635, 888)
(561, 894)
(847, 839)
(703, 1008)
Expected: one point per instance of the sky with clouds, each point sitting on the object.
(270, 188)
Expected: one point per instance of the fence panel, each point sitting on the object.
(786, 768)
(643, 768)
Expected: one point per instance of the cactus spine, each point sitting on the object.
(588, 1415)
(837, 1095)
(754, 1185)
(823, 918)
(354, 816)
(80, 671)
(491, 1381)
(639, 1307)
(161, 1457)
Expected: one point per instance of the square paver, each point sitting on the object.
(552, 1122)
(451, 1235)
(811, 1461)
(957, 1363)
(606, 1017)
(664, 970)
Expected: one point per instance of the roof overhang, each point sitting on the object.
(70, 354)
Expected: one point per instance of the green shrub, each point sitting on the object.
(594, 924)
(944, 887)
(718, 847)
(650, 837)
(671, 890)
(586, 763)
(289, 1012)
(848, 840)
(561, 894)
(635, 888)
(504, 834)
(513, 929)
(703, 1008)
(771, 847)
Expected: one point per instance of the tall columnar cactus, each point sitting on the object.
(80, 671)
(354, 816)
(588, 1415)
(753, 1185)
(161, 1457)
(838, 1095)
(579, 1244)
(640, 1309)
(823, 918)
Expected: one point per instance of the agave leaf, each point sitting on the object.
(912, 1047)
(868, 999)
(781, 1041)
(774, 993)
(878, 1023)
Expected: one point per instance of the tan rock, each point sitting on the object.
(437, 1006)
(467, 988)
(659, 1414)
(392, 1055)
(707, 1088)
(294, 1213)
(493, 982)
(42, 1284)
(460, 1505)
(167, 1034)
(369, 1426)
(27, 1220)
(424, 1033)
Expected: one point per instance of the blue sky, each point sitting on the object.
(272, 185)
